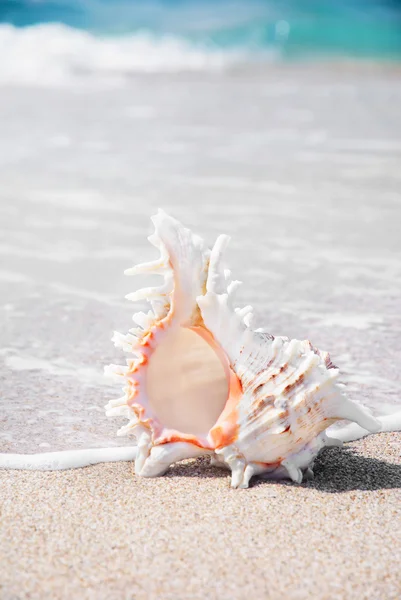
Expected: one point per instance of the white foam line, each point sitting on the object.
(75, 459)
(55, 54)
(353, 432)
(66, 459)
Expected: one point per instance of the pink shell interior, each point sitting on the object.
(187, 383)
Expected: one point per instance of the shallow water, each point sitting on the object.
(300, 165)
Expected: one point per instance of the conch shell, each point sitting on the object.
(203, 381)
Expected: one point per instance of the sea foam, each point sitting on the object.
(54, 54)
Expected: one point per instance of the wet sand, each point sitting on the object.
(102, 533)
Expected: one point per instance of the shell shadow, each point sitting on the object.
(341, 470)
(199, 467)
(336, 470)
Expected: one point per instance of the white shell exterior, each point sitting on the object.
(283, 394)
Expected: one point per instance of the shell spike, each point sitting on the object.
(249, 472)
(330, 442)
(155, 267)
(162, 213)
(263, 330)
(237, 467)
(161, 457)
(294, 472)
(127, 342)
(248, 319)
(144, 320)
(246, 314)
(233, 287)
(235, 462)
(144, 443)
(149, 293)
(354, 412)
(216, 279)
(116, 402)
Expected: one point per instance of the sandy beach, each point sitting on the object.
(100, 533)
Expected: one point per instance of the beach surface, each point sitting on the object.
(301, 166)
(101, 533)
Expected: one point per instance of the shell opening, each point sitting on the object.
(187, 381)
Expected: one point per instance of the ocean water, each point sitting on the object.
(52, 40)
(278, 126)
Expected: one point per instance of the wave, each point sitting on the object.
(115, 39)
(357, 28)
(57, 54)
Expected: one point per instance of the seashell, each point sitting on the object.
(202, 381)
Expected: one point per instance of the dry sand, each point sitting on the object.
(102, 533)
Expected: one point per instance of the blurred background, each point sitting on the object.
(277, 122)
(127, 36)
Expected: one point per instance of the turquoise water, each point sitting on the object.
(354, 28)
